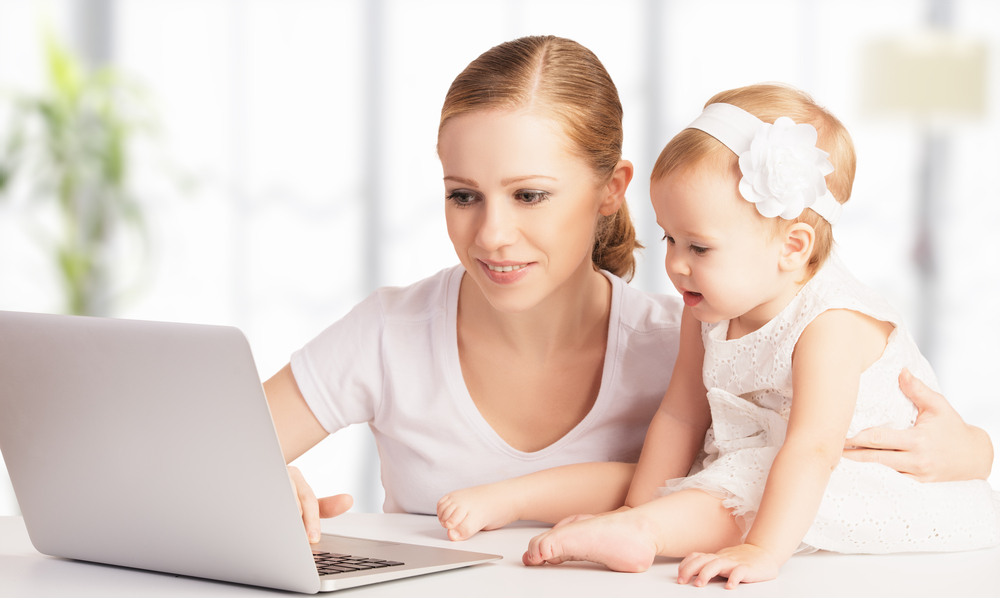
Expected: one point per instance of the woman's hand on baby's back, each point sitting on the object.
(939, 447)
(466, 512)
(313, 509)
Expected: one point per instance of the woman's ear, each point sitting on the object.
(616, 188)
(799, 241)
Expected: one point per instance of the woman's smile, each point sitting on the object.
(505, 272)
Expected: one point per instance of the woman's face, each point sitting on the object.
(521, 208)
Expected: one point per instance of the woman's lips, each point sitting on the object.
(505, 272)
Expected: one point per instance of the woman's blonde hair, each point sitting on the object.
(768, 102)
(570, 84)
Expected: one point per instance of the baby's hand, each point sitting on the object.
(745, 563)
(487, 507)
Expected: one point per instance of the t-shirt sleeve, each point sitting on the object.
(340, 371)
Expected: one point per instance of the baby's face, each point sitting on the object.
(720, 256)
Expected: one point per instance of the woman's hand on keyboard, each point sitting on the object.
(313, 509)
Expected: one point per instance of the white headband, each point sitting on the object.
(782, 168)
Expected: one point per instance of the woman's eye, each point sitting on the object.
(461, 198)
(531, 197)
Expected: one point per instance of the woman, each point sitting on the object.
(533, 353)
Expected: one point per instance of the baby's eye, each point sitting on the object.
(460, 197)
(668, 239)
(531, 197)
(699, 250)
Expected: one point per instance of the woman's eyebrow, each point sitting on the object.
(459, 179)
(516, 179)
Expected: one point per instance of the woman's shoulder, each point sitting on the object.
(644, 312)
(420, 300)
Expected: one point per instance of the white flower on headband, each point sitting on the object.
(783, 170)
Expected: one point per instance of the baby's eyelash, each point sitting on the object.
(699, 250)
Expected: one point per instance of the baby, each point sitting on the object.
(784, 354)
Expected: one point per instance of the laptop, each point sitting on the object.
(150, 445)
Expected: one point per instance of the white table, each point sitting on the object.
(26, 573)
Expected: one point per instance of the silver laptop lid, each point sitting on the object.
(100, 418)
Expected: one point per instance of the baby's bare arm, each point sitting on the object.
(547, 496)
(677, 431)
(826, 372)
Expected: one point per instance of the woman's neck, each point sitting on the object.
(568, 318)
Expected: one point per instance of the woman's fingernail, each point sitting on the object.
(314, 536)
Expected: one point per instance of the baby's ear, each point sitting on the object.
(799, 241)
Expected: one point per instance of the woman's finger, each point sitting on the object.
(902, 461)
(308, 504)
(883, 439)
(332, 506)
(923, 397)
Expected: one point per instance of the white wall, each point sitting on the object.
(265, 105)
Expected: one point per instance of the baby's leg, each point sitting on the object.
(675, 526)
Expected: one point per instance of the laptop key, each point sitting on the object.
(328, 563)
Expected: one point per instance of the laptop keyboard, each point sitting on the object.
(329, 563)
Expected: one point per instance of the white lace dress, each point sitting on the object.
(867, 508)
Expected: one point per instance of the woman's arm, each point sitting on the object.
(940, 447)
(298, 431)
(677, 431)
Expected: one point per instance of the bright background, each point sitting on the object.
(304, 132)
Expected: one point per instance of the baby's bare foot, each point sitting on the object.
(465, 512)
(622, 542)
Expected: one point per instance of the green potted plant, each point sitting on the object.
(70, 145)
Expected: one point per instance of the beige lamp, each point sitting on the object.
(930, 75)
(937, 78)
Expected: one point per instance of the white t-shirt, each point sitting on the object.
(392, 362)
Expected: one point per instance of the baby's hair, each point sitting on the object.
(570, 84)
(768, 102)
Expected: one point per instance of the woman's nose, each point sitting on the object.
(498, 227)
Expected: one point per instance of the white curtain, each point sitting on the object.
(296, 171)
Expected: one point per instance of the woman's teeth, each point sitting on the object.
(505, 268)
